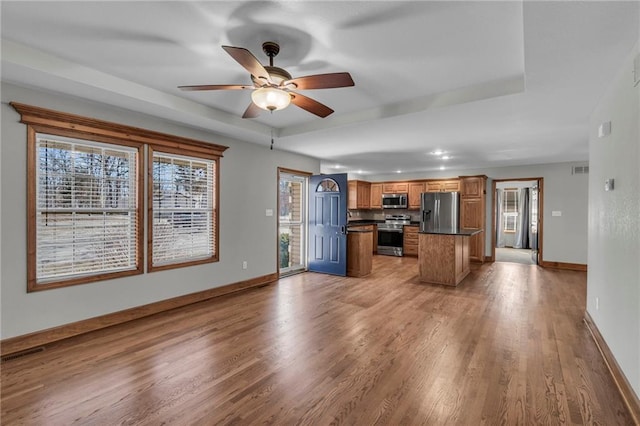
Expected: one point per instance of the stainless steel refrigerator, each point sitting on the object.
(440, 211)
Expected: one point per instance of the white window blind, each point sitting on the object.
(86, 208)
(510, 201)
(183, 209)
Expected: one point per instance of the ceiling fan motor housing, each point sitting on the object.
(277, 74)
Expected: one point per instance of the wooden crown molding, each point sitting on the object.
(36, 116)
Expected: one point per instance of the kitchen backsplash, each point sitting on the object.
(380, 214)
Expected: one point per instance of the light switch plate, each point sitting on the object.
(268, 212)
(556, 213)
(608, 184)
(604, 129)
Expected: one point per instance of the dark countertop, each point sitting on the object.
(358, 230)
(462, 231)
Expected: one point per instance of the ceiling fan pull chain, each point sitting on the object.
(271, 137)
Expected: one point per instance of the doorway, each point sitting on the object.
(517, 220)
(328, 224)
(292, 221)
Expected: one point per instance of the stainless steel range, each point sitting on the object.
(390, 234)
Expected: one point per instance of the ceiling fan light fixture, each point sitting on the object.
(271, 98)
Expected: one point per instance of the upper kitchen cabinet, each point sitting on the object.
(415, 189)
(449, 185)
(359, 195)
(376, 196)
(395, 188)
(473, 186)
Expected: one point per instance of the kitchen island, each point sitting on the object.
(443, 255)
(359, 250)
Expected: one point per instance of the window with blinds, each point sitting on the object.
(510, 209)
(183, 210)
(86, 209)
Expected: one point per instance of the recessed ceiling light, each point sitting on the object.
(359, 172)
(398, 171)
(437, 152)
(445, 157)
(337, 166)
(441, 167)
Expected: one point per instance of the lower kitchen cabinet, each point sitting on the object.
(374, 234)
(476, 247)
(359, 252)
(410, 241)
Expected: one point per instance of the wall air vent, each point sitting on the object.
(580, 170)
(20, 354)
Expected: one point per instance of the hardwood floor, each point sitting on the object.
(507, 346)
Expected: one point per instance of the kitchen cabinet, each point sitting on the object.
(375, 201)
(395, 188)
(449, 185)
(410, 241)
(374, 233)
(473, 186)
(415, 189)
(443, 258)
(472, 213)
(359, 252)
(359, 196)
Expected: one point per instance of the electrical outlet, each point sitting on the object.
(597, 303)
(244, 264)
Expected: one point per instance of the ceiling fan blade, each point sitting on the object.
(322, 81)
(252, 111)
(248, 61)
(216, 87)
(310, 105)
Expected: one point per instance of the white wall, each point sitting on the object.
(564, 237)
(614, 222)
(248, 187)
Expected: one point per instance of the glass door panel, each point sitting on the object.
(292, 238)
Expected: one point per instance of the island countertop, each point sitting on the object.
(448, 231)
(358, 229)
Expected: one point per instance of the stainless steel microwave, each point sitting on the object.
(394, 201)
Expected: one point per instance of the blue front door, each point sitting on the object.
(328, 224)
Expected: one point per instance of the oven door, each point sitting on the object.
(390, 241)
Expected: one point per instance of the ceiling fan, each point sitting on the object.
(273, 88)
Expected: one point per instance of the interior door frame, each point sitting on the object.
(540, 181)
(306, 219)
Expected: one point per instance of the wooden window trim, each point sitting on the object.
(90, 127)
(216, 210)
(43, 120)
(32, 283)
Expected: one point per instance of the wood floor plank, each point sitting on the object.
(507, 346)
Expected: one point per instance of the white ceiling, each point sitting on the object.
(491, 83)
